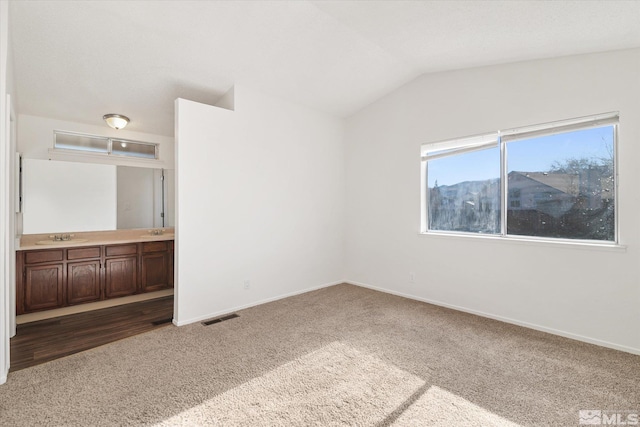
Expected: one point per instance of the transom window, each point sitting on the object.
(103, 145)
(551, 181)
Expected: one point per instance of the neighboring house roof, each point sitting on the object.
(563, 182)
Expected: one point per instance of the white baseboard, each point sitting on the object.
(253, 304)
(558, 332)
(3, 378)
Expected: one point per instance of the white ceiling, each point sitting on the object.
(77, 60)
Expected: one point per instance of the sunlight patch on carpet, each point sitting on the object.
(336, 385)
(438, 407)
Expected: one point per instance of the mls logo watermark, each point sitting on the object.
(598, 417)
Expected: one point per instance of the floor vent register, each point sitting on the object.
(220, 319)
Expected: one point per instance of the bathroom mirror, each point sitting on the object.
(61, 196)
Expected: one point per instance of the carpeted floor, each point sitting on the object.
(343, 355)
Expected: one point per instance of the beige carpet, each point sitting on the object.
(338, 356)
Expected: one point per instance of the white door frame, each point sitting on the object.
(5, 203)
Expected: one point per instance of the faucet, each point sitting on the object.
(61, 237)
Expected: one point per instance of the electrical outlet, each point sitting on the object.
(412, 277)
(247, 285)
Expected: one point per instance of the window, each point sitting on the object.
(123, 147)
(464, 187)
(92, 144)
(554, 181)
(102, 145)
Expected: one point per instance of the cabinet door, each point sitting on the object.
(121, 276)
(171, 261)
(43, 287)
(83, 281)
(155, 271)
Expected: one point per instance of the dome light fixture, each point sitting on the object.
(116, 121)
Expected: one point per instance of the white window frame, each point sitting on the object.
(435, 150)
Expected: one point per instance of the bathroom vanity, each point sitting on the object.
(90, 267)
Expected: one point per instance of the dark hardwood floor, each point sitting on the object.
(50, 339)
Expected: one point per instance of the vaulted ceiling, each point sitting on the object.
(77, 60)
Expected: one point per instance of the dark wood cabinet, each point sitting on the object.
(121, 270)
(121, 277)
(43, 287)
(39, 257)
(154, 266)
(84, 278)
(83, 282)
(53, 278)
(120, 250)
(171, 258)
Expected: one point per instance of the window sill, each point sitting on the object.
(562, 244)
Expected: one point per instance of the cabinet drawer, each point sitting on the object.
(155, 246)
(33, 257)
(121, 250)
(81, 253)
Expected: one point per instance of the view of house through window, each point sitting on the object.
(553, 182)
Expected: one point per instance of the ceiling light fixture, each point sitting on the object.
(116, 121)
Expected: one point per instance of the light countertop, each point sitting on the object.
(94, 238)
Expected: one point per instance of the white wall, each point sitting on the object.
(62, 197)
(260, 194)
(592, 295)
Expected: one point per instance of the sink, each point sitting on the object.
(155, 236)
(61, 242)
